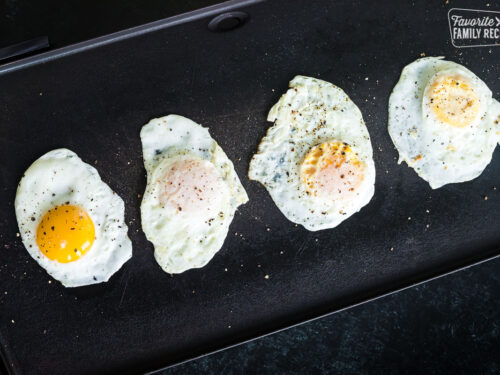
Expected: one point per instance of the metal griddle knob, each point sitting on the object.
(227, 21)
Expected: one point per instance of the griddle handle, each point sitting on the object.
(227, 21)
(24, 47)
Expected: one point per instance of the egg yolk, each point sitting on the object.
(192, 186)
(65, 233)
(453, 101)
(331, 171)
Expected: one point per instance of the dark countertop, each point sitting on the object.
(449, 325)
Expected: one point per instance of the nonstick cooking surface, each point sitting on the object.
(95, 102)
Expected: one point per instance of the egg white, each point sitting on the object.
(183, 241)
(61, 177)
(311, 112)
(439, 153)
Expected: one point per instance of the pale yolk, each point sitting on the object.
(453, 101)
(65, 233)
(331, 171)
(192, 186)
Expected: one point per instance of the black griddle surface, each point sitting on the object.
(95, 102)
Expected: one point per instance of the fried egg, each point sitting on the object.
(316, 160)
(443, 121)
(70, 221)
(191, 195)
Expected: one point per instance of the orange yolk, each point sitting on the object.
(453, 101)
(192, 186)
(65, 233)
(331, 171)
